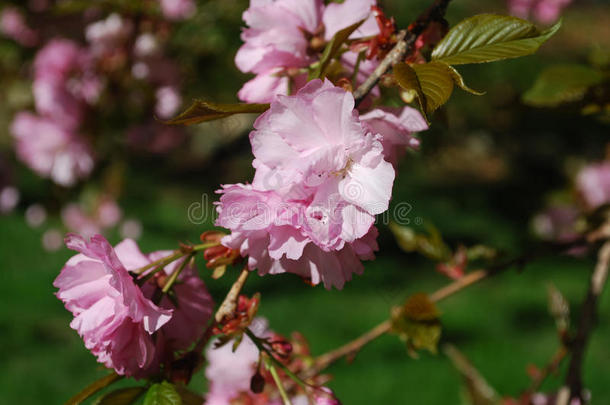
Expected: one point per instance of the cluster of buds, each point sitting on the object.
(381, 44)
(218, 257)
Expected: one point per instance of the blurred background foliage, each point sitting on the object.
(485, 168)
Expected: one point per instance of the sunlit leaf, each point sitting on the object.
(122, 396)
(489, 37)
(479, 392)
(331, 50)
(162, 394)
(432, 82)
(562, 84)
(202, 111)
(436, 82)
(407, 79)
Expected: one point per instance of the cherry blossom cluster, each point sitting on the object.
(324, 170)
(123, 316)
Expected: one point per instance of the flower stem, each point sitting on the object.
(279, 384)
(174, 276)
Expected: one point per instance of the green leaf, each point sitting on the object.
(162, 394)
(562, 84)
(202, 111)
(331, 50)
(122, 396)
(459, 80)
(430, 245)
(436, 82)
(417, 324)
(432, 83)
(407, 79)
(488, 37)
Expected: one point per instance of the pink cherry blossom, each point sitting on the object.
(110, 312)
(51, 150)
(593, 185)
(315, 146)
(177, 9)
(13, 25)
(341, 15)
(277, 41)
(320, 180)
(396, 128)
(117, 318)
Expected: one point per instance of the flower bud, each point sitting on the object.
(257, 383)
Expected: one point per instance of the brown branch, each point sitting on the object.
(588, 319)
(405, 39)
(351, 348)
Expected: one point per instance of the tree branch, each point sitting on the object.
(351, 348)
(405, 41)
(588, 318)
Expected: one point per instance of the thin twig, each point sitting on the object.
(93, 388)
(405, 39)
(588, 318)
(351, 348)
(230, 302)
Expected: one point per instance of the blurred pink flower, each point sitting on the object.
(278, 39)
(177, 9)
(106, 214)
(155, 137)
(544, 11)
(229, 372)
(557, 224)
(593, 185)
(64, 82)
(108, 35)
(396, 127)
(320, 180)
(168, 101)
(51, 150)
(9, 198)
(111, 314)
(13, 25)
